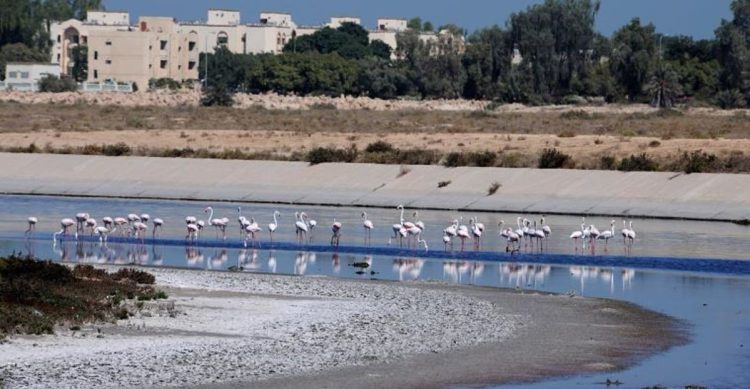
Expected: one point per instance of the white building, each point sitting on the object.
(26, 76)
(337, 21)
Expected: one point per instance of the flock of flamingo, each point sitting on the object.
(527, 233)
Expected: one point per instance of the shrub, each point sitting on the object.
(566, 134)
(608, 162)
(576, 115)
(640, 162)
(697, 162)
(573, 100)
(479, 159)
(52, 84)
(554, 159)
(164, 83)
(217, 95)
(654, 143)
(138, 276)
(493, 188)
(116, 150)
(330, 154)
(379, 147)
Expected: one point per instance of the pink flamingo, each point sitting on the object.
(336, 232)
(64, 224)
(158, 225)
(368, 226)
(219, 224)
(32, 225)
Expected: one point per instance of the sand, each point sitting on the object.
(237, 330)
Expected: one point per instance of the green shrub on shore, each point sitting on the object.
(641, 163)
(554, 159)
(36, 296)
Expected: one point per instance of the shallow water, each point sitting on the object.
(715, 306)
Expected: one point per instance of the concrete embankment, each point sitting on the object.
(718, 197)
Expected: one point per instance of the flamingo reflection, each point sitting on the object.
(408, 268)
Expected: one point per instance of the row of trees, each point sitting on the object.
(559, 57)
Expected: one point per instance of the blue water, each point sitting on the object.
(677, 268)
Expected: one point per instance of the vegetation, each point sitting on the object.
(554, 159)
(36, 296)
(56, 85)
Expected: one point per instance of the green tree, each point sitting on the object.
(217, 95)
(80, 63)
(634, 56)
(487, 61)
(18, 52)
(664, 87)
(53, 84)
(555, 40)
(427, 26)
(414, 24)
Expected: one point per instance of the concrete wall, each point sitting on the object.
(669, 195)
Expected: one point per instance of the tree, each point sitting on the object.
(634, 56)
(53, 84)
(427, 26)
(18, 52)
(414, 24)
(217, 95)
(380, 49)
(487, 61)
(350, 40)
(664, 87)
(556, 41)
(80, 63)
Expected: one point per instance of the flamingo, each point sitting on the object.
(242, 220)
(192, 231)
(336, 230)
(64, 224)
(32, 225)
(476, 232)
(463, 234)
(512, 239)
(139, 228)
(545, 228)
(191, 220)
(145, 217)
(103, 233)
(252, 229)
(593, 236)
(519, 229)
(158, 224)
(539, 235)
(447, 240)
(80, 220)
(631, 233)
(625, 232)
(608, 234)
(91, 223)
(301, 226)
(120, 222)
(368, 226)
(273, 226)
(219, 224)
(576, 235)
(398, 232)
(108, 221)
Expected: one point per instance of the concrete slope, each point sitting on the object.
(722, 197)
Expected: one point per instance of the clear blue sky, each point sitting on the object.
(697, 18)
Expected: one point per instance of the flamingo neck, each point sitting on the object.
(210, 216)
(274, 219)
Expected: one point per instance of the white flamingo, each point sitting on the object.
(192, 231)
(476, 232)
(311, 224)
(251, 230)
(242, 221)
(301, 226)
(108, 221)
(447, 240)
(576, 235)
(539, 235)
(368, 226)
(120, 222)
(608, 234)
(145, 217)
(64, 225)
(625, 232)
(463, 234)
(219, 224)
(91, 224)
(191, 220)
(104, 233)
(631, 233)
(545, 228)
(275, 225)
(139, 230)
(158, 225)
(32, 225)
(80, 220)
(336, 232)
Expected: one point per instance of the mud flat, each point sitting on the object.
(233, 330)
(713, 197)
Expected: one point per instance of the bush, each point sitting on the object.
(138, 276)
(698, 162)
(608, 162)
(576, 115)
(116, 150)
(217, 95)
(164, 83)
(640, 162)
(479, 159)
(330, 155)
(52, 84)
(379, 147)
(554, 159)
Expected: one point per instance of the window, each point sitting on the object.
(179, 48)
(108, 62)
(13, 75)
(58, 58)
(179, 67)
(24, 74)
(163, 45)
(191, 65)
(59, 38)
(96, 74)
(108, 43)
(191, 46)
(163, 64)
(150, 47)
(150, 66)
(96, 55)
(222, 39)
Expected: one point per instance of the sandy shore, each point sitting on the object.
(235, 330)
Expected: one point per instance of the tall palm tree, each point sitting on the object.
(664, 87)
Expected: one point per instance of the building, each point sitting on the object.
(337, 21)
(26, 76)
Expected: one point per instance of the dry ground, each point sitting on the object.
(585, 134)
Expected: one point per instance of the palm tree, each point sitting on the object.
(664, 87)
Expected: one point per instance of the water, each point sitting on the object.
(715, 305)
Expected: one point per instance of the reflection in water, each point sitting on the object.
(193, 256)
(523, 275)
(411, 268)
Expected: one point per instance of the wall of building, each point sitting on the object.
(222, 17)
(119, 18)
(337, 21)
(119, 56)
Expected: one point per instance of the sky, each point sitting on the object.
(697, 18)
